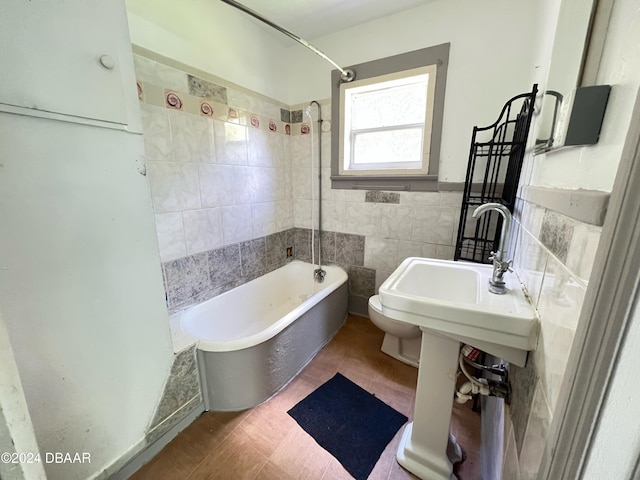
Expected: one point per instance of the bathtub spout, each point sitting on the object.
(319, 274)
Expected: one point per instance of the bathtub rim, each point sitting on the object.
(183, 338)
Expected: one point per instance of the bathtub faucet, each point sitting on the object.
(319, 274)
(500, 265)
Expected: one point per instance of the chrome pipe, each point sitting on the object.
(319, 181)
(347, 75)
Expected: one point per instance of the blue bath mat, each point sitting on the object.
(348, 422)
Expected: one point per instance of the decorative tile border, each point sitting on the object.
(189, 95)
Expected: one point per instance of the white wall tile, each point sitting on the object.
(263, 217)
(254, 184)
(301, 183)
(161, 75)
(283, 215)
(174, 187)
(157, 133)
(416, 249)
(535, 437)
(420, 198)
(582, 251)
(360, 218)
(171, 241)
(529, 262)
(333, 214)
(380, 253)
(203, 230)
(451, 199)
(217, 185)
(231, 143)
(434, 225)
(302, 213)
(561, 300)
(395, 221)
(192, 138)
(236, 223)
(445, 252)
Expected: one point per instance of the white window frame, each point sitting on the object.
(346, 166)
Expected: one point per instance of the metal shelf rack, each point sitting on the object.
(493, 173)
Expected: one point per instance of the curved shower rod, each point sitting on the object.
(347, 75)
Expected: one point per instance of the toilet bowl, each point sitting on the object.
(401, 340)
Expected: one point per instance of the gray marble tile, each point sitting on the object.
(362, 281)
(224, 265)
(375, 196)
(556, 233)
(285, 115)
(523, 386)
(186, 279)
(181, 386)
(350, 249)
(253, 256)
(302, 244)
(276, 244)
(327, 242)
(296, 116)
(168, 423)
(203, 88)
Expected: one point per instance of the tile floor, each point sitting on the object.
(265, 443)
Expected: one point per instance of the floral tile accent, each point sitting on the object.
(273, 127)
(140, 91)
(173, 100)
(206, 110)
(233, 115)
(254, 121)
(305, 129)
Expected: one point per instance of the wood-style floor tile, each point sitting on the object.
(301, 457)
(237, 459)
(265, 443)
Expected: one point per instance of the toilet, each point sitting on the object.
(401, 340)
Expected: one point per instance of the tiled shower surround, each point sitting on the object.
(230, 176)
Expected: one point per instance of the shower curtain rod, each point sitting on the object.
(347, 75)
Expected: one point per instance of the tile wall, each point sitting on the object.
(231, 184)
(554, 255)
(393, 225)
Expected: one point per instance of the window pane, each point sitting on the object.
(389, 146)
(389, 106)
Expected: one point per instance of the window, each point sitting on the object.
(387, 136)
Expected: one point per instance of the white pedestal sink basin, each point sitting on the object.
(451, 303)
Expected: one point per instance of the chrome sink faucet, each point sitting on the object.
(500, 265)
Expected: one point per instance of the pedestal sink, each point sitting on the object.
(451, 303)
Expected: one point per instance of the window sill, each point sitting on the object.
(407, 183)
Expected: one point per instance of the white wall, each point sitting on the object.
(493, 57)
(595, 167)
(81, 287)
(213, 37)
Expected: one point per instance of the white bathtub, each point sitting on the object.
(254, 339)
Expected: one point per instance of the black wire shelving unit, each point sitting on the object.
(493, 173)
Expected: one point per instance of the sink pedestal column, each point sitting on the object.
(423, 447)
